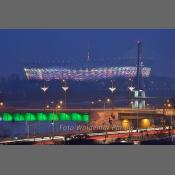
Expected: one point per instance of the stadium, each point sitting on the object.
(60, 73)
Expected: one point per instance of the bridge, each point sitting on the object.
(148, 112)
(123, 119)
(102, 113)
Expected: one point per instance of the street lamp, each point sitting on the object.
(108, 100)
(99, 100)
(112, 89)
(61, 102)
(28, 129)
(1, 104)
(44, 89)
(58, 107)
(131, 88)
(171, 112)
(47, 106)
(104, 104)
(148, 106)
(65, 88)
(169, 106)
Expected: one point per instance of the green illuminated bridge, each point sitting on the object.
(9, 116)
(79, 115)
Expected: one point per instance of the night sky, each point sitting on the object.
(19, 48)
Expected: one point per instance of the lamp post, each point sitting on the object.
(44, 89)
(171, 115)
(104, 104)
(1, 104)
(131, 89)
(112, 89)
(169, 106)
(58, 106)
(65, 88)
(28, 129)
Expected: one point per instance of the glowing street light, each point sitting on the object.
(1, 104)
(47, 106)
(58, 107)
(44, 88)
(131, 88)
(108, 100)
(112, 88)
(61, 102)
(169, 105)
(92, 102)
(65, 88)
(99, 100)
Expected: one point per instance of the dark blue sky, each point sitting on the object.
(21, 47)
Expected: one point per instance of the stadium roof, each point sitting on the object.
(60, 73)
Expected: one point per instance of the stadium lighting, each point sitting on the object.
(83, 74)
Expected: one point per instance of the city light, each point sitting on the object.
(61, 102)
(1, 104)
(58, 106)
(108, 100)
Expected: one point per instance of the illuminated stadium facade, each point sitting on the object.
(60, 73)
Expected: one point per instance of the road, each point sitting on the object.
(98, 136)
